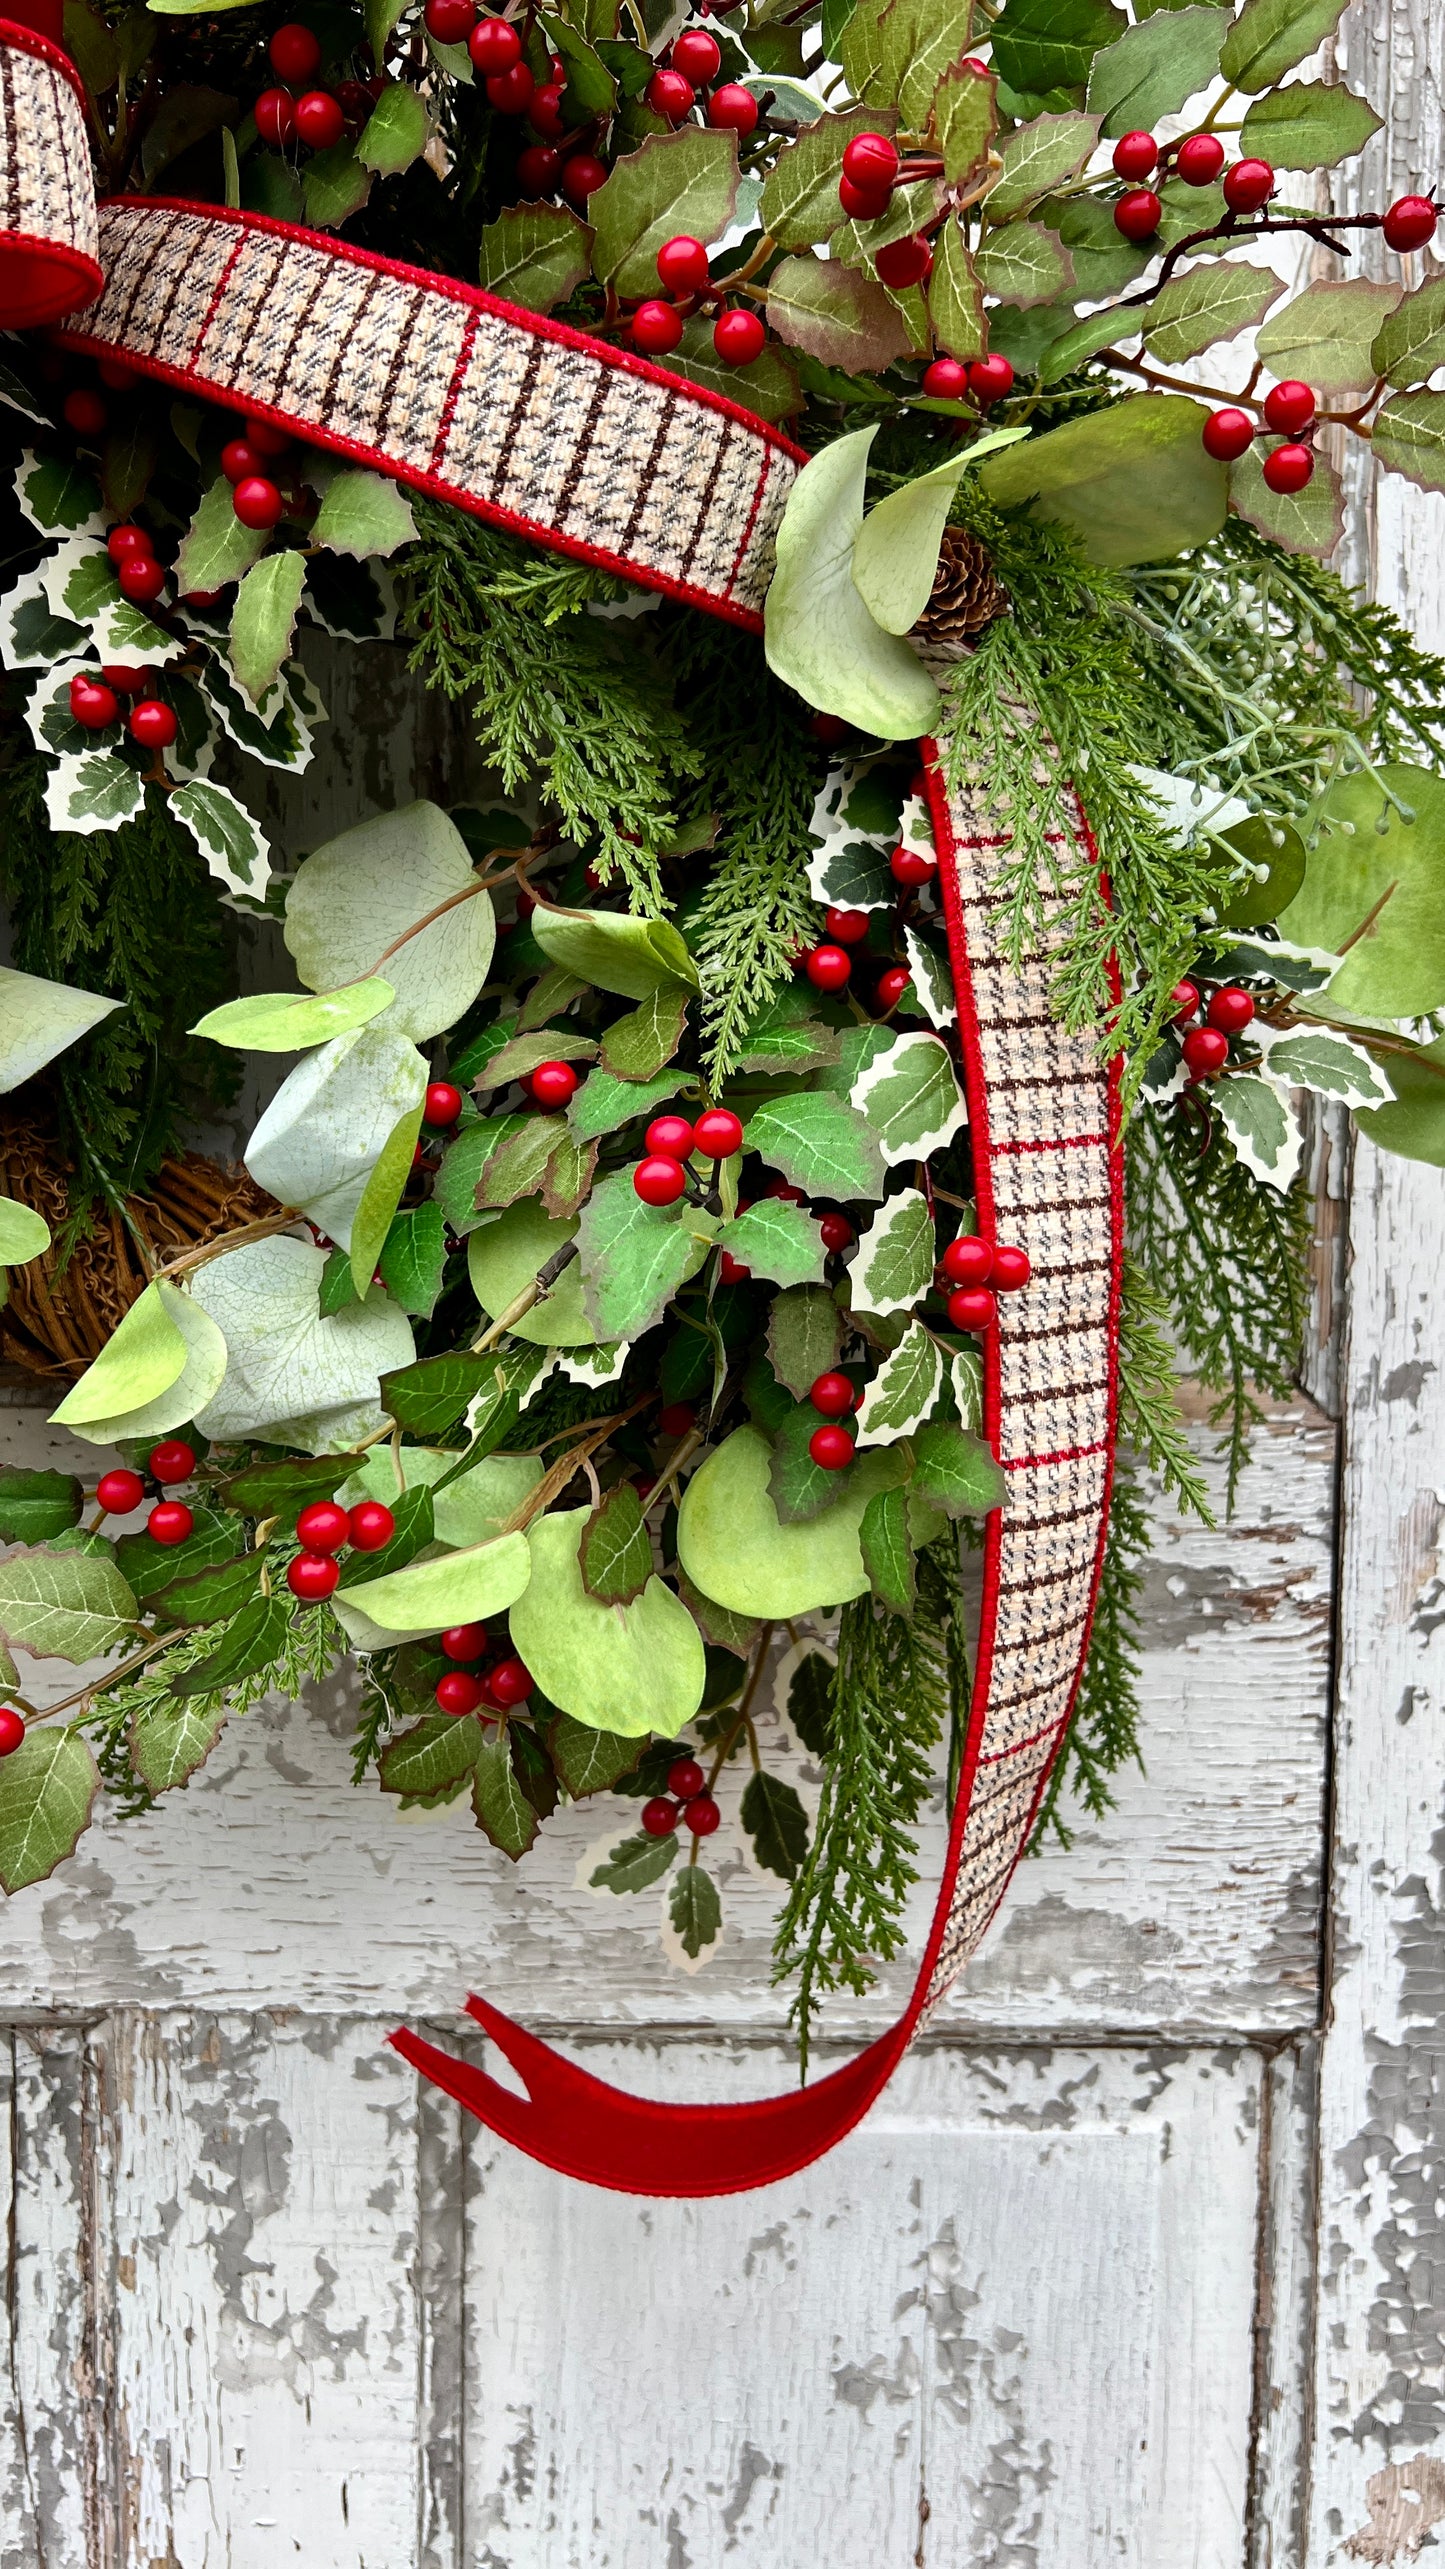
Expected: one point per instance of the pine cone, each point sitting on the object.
(967, 595)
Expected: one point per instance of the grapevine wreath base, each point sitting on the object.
(635, 1262)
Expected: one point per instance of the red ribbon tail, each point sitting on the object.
(586, 2128)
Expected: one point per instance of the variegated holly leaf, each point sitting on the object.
(58, 495)
(94, 792)
(896, 1256)
(911, 1098)
(1326, 1060)
(263, 620)
(853, 830)
(32, 635)
(903, 1390)
(1262, 1126)
(932, 978)
(227, 836)
(277, 731)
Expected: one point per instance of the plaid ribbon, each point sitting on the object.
(48, 238)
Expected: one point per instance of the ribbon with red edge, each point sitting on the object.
(591, 451)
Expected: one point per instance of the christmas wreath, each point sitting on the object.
(945, 823)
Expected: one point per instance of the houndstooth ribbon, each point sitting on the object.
(48, 245)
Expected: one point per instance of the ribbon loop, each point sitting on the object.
(49, 241)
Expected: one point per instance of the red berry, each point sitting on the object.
(240, 460)
(494, 46)
(990, 379)
(871, 160)
(458, 1693)
(836, 1231)
(828, 727)
(677, 1418)
(443, 1104)
(1410, 223)
(538, 170)
(140, 578)
(553, 1083)
(1288, 468)
(1135, 155)
(904, 263)
(1199, 159)
(828, 967)
(115, 376)
(93, 706)
(656, 328)
(267, 439)
(153, 724)
(372, 1526)
(449, 22)
(1183, 1002)
(510, 1682)
(892, 984)
(863, 204)
(323, 1527)
(730, 1270)
(682, 265)
(846, 927)
(546, 111)
(173, 1460)
(1138, 213)
(1248, 186)
(510, 92)
(912, 866)
(1230, 1011)
(125, 680)
(582, 175)
(697, 55)
(781, 1193)
(12, 1730)
(257, 502)
(733, 108)
(170, 1521)
(968, 1260)
(669, 95)
(670, 1137)
(320, 119)
(312, 1576)
(1012, 1269)
(1289, 409)
(85, 412)
(946, 379)
(119, 1492)
(719, 1133)
(1226, 433)
(1205, 1051)
(972, 1307)
(123, 541)
(739, 337)
(832, 1395)
(702, 1815)
(831, 1446)
(659, 1180)
(295, 53)
(685, 1778)
(275, 115)
(659, 1818)
(465, 1640)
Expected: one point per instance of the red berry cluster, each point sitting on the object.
(1290, 410)
(872, 168)
(258, 498)
(683, 268)
(829, 965)
(323, 1530)
(691, 1803)
(834, 1396)
(1205, 1047)
(467, 1688)
(95, 702)
(983, 381)
(977, 1272)
(120, 1493)
(661, 1177)
(317, 117)
(1197, 160)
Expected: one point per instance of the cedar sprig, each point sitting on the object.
(1149, 1419)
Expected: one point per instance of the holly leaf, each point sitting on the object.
(92, 793)
(504, 1813)
(1307, 521)
(64, 1605)
(799, 1488)
(48, 1787)
(637, 1046)
(1045, 45)
(427, 1398)
(59, 495)
(365, 515)
(633, 1257)
(888, 1551)
(805, 1332)
(1269, 37)
(799, 203)
(516, 1166)
(253, 1639)
(1213, 300)
(634, 1864)
(1410, 343)
(779, 1241)
(1024, 264)
(685, 182)
(614, 1555)
(535, 255)
(695, 1910)
(903, 1390)
(769, 388)
(336, 186)
(34, 1506)
(836, 314)
(821, 1143)
(1308, 126)
(956, 1471)
(213, 1595)
(718, 1624)
(1262, 1126)
(1156, 67)
(893, 1269)
(395, 133)
(263, 620)
(567, 1178)
(434, 1753)
(216, 548)
(589, 1761)
(413, 1259)
(604, 1102)
(1409, 437)
(1039, 156)
(810, 1702)
(1324, 335)
(1331, 1064)
(911, 1098)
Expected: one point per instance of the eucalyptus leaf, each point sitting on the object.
(275, 1021)
(895, 558)
(430, 1596)
(286, 1366)
(326, 1128)
(24, 1234)
(360, 892)
(1376, 884)
(1133, 481)
(820, 637)
(619, 952)
(733, 1545)
(628, 1669)
(177, 1402)
(39, 1019)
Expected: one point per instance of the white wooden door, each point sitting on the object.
(1139, 2264)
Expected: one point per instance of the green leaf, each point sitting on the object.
(34, 1506)
(1043, 45)
(588, 1760)
(1410, 342)
(64, 1605)
(24, 1234)
(517, 1165)
(888, 1552)
(535, 255)
(263, 620)
(893, 1269)
(335, 187)
(1330, 1064)
(956, 1471)
(769, 387)
(805, 1332)
(1409, 438)
(428, 1596)
(143, 1356)
(603, 1103)
(799, 203)
(734, 1546)
(1415, 1124)
(462, 1164)
(590, 87)
(1132, 481)
(287, 1369)
(277, 1022)
(413, 1259)
(502, 1809)
(148, 1567)
(634, 1864)
(633, 1257)
(1213, 300)
(810, 1702)
(269, 185)
(364, 514)
(717, 1624)
(1307, 521)
(821, 638)
(777, 1823)
(836, 314)
(623, 1668)
(786, 1035)
(779, 1241)
(38, 1019)
(693, 1904)
(521, 1055)
(898, 52)
(211, 1596)
(1261, 1125)
(637, 1046)
(614, 1555)
(217, 548)
(395, 132)
(128, 463)
(799, 1488)
(1308, 126)
(955, 296)
(474, 1494)
(429, 1397)
(903, 1390)
(1324, 336)
(895, 558)
(965, 115)
(820, 1144)
(360, 892)
(508, 1254)
(268, 1489)
(1370, 866)
(1024, 264)
(685, 182)
(48, 1787)
(1269, 37)
(437, 1750)
(331, 1140)
(911, 1098)
(1038, 156)
(225, 833)
(1276, 847)
(253, 1640)
(170, 1740)
(1156, 67)
(633, 956)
